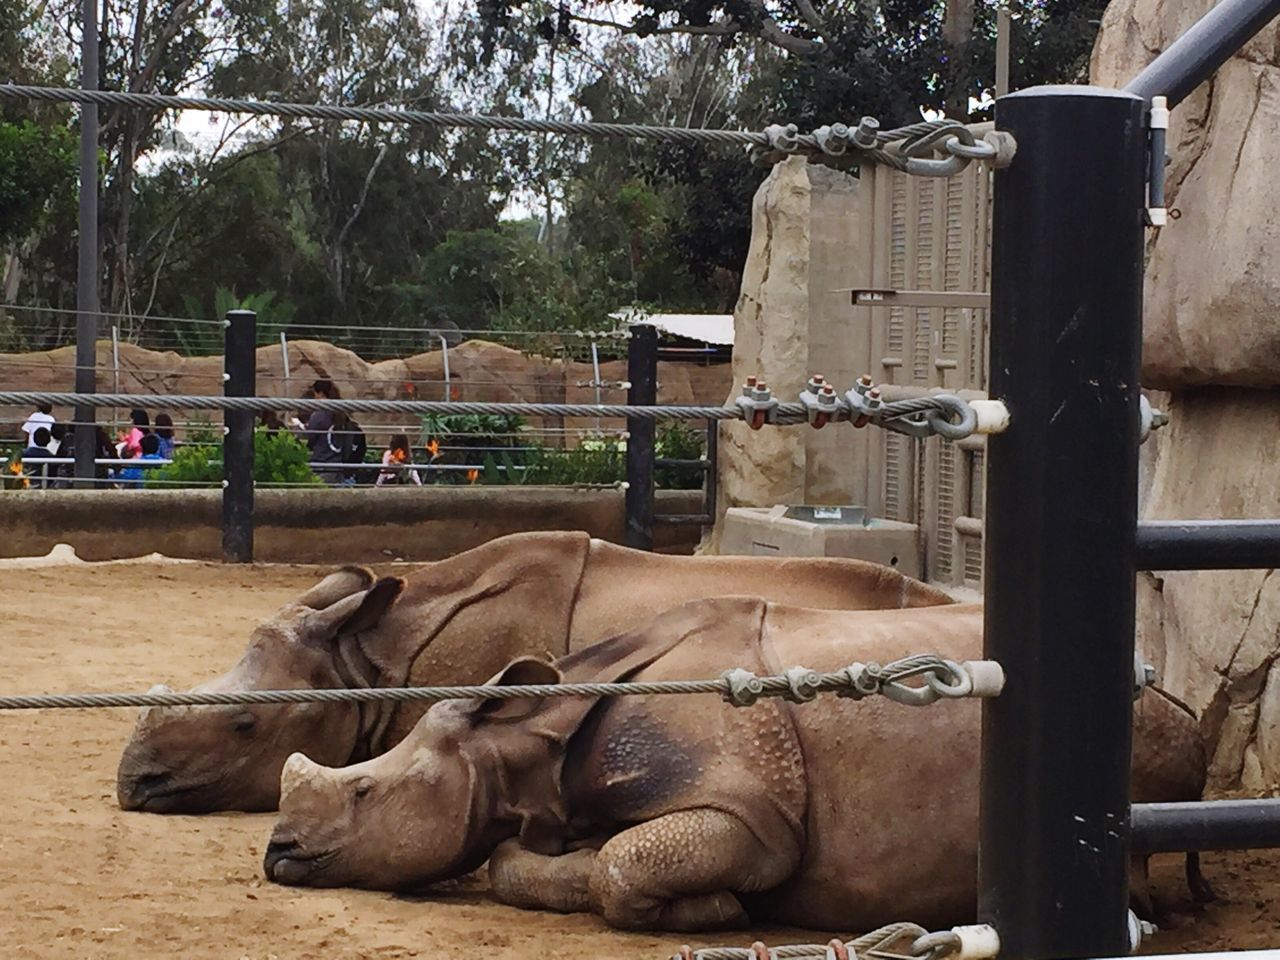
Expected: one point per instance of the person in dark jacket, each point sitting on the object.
(325, 434)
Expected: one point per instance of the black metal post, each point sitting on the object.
(86, 432)
(1205, 825)
(240, 361)
(1198, 53)
(713, 469)
(1208, 544)
(1061, 516)
(642, 372)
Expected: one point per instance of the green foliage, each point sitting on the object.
(279, 459)
(37, 169)
(195, 465)
(458, 428)
(274, 316)
(591, 462)
(324, 227)
(679, 441)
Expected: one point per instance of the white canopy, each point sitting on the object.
(705, 327)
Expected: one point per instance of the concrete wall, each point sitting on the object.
(323, 525)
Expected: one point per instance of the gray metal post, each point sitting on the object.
(1004, 16)
(1194, 56)
(642, 372)
(240, 363)
(1061, 519)
(86, 444)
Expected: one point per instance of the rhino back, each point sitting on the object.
(622, 589)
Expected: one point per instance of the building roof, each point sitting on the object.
(705, 327)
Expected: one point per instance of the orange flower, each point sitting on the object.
(473, 475)
(433, 447)
(15, 466)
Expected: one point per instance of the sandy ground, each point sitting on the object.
(80, 878)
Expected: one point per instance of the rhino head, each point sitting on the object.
(198, 759)
(435, 806)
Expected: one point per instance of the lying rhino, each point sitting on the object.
(685, 813)
(456, 621)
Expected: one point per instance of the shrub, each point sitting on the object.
(279, 459)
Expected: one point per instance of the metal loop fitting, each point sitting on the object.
(783, 137)
(832, 140)
(757, 403)
(956, 422)
(821, 402)
(744, 687)
(803, 683)
(868, 678)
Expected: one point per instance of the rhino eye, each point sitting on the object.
(244, 722)
(363, 787)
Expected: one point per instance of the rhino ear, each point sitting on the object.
(525, 670)
(374, 606)
(336, 586)
(360, 611)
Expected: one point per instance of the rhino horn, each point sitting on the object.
(160, 688)
(299, 770)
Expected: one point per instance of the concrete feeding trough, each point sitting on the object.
(802, 530)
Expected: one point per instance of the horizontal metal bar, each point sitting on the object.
(681, 464)
(880, 297)
(1205, 825)
(1208, 544)
(1207, 45)
(685, 519)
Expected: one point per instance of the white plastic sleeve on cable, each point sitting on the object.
(978, 941)
(993, 416)
(1159, 113)
(987, 677)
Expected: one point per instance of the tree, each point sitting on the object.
(836, 57)
(37, 170)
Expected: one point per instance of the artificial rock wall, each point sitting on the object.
(793, 319)
(1212, 341)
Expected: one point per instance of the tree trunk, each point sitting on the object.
(957, 33)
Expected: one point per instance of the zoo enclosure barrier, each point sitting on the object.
(1063, 541)
(1056, 825)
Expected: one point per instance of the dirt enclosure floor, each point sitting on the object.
(80, 878)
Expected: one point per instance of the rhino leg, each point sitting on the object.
(1140, 899)
(535, 881)
(680, 871)
(1201, 890)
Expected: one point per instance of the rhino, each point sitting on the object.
(686, 813)
(458, 620)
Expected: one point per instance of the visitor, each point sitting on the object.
(131, 439)
(42, 417)
(133, 476)
(325, 434)
(359, 450)
(396, 456)
(39, 473)
(164, 432)
(270, 422)
(104, 450)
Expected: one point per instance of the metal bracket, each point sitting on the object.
(885, 297)
(1144, 674)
